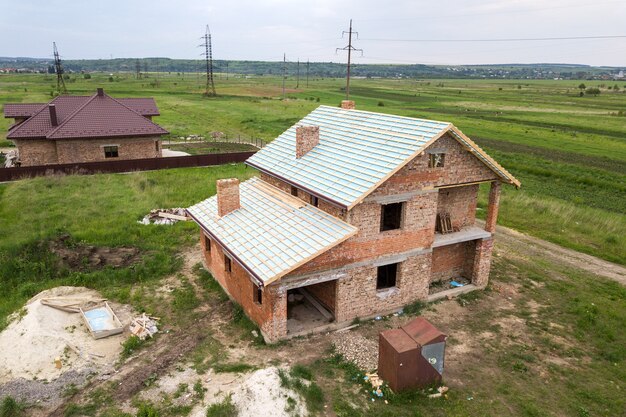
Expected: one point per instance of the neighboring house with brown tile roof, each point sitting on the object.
(72, 129)
(355, 214)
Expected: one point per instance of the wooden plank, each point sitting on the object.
(172, 216)
(327, 314)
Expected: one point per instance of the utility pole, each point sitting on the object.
(227, 70)
(298, 75)
(307, 73)
(138, 69)
(208, 54)
(58, 68)
(284, 72)
(349, 48)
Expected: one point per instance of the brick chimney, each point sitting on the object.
(100, 91)
(53, 115)
(307, 137)
(347, 105)
(227, 196)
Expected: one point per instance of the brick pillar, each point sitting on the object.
(307, 137)
(227, 196)
(275, 327)
(494, 205)
(482, 262)
(348, 105)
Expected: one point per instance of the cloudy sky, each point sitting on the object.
(389, 31)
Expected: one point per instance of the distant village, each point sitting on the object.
(324, 69)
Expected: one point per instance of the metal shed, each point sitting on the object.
(411, 356)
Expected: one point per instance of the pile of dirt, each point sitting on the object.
(40, 334)
(262, 395)
(77, 256)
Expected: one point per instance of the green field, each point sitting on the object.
(568, 151)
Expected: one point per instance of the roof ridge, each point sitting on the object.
(68, 118)
(384, 114)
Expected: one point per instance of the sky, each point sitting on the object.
(405, 32)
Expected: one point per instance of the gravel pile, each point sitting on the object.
(357, 349)
(43, 391)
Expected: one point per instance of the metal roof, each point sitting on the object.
(357, 151)
(89, 117)
(272, 233)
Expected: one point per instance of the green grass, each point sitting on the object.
(226, 408)
(57, 205)
(568, 151)
(300, 379)
(11, 408)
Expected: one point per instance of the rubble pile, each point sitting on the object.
(355, 348)
(144, 326)
(165, 216)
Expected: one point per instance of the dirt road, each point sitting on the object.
(519, 244)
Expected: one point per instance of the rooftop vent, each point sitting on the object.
(53, 115)
(227, 196)
(307, 137)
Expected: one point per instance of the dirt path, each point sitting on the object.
(520, 244)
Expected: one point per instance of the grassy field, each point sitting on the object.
(568, 151)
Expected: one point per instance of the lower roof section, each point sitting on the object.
(272, 233)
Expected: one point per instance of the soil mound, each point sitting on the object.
(87, 257)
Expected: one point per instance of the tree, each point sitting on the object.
(582, 86)
(593, 91)
(616, 87)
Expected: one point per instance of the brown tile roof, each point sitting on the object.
(90, 117)
(21, 109)
(143, 106)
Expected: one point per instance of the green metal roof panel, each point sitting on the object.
(357, 150)
(272, 233)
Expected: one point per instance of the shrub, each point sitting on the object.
(381, 104)
(147, 410)
(224, 409)
(10, 408)
(87, 76)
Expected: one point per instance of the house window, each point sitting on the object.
(294, 191)
(386, 277)
(110, 152)
(436, 160)
(207, 244)
(391, 216)
(315, 201)
(228, 265)
(257, 294)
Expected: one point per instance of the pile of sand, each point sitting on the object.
(262, 395)
(30, 344)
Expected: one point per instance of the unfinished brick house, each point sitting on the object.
(355, 214)
(72, 129)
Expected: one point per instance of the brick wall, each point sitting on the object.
(460, 167)
(307, 137)
(36, 152)
(271, 315)
(452, 261)
(325, 293)
(357, 295)
(89, 150)
(460, 203)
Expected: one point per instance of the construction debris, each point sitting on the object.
(102, 321)
(71, 304)
(144, 326)
(10, 158)
(165, 216)
(440, 391)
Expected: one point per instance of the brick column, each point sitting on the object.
(307, 138)
(275, 328)
(494, 205)
(482, 262)
(227, 196)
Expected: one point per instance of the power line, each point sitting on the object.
(563, 38)
(348, 48)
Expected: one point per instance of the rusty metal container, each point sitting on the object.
(411, 356)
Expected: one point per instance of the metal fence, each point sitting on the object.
(127, 165)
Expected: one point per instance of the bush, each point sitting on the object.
(131, 345)
(147, 410)
(381, 104)
(593, 91)
(10, 408)
(224, 409)
(87, 76)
